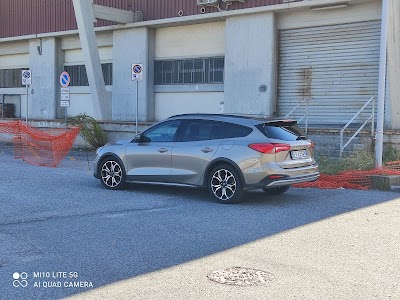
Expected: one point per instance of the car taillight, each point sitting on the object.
(270, 148)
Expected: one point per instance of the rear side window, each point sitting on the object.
(197, 130)
(236, 131)
(200, 130)
(285, 131)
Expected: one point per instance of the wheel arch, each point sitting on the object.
(110, 155)
(222, 161)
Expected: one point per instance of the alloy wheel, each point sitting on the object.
(111, 174)
(223, 184)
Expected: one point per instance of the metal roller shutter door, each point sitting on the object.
(336, 67)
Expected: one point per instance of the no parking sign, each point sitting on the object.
(137, 72)
(26, 77)
(65, 79)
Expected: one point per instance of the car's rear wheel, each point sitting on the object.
(224, 184)
(112, 174)
(277, 190)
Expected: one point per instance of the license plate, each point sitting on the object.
(299, 154)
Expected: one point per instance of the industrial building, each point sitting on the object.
(258, 57)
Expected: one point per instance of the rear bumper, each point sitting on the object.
(287, 180)
(294, 179)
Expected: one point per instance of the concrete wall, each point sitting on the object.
(250, 62)
(248, 43)
(168, 104)
(43, 65)
(131, 46)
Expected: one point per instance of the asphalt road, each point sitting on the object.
(62, 234)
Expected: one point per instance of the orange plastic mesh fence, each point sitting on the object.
(359, 180)
(40, 147)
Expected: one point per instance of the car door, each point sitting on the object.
(197, 144)
(150, 158)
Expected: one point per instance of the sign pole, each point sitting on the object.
(27, 81)
(65, 80)
(137, 105)
(27, 110)
(137, 74)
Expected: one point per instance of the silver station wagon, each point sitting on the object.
(227, 154)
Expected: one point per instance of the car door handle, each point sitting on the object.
(207, 150)
(162, 150)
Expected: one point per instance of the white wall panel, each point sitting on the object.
(104, 39)
(190, 40)
(168, 104)
(75, 56)
(14, 61)
(20, 47)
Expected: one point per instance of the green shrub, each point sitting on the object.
(91, 131)
(391, 154)
(357, 160)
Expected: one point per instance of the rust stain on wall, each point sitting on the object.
(306, 79)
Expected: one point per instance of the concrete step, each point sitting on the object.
(385, 182)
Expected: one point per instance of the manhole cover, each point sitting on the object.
(240, 276)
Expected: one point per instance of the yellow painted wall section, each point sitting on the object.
(190, 41)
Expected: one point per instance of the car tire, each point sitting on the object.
(112, 174)
(224, 184)
(277, 190)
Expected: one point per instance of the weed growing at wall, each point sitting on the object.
(91, 131)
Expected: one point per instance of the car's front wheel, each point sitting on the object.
(224, 184)
(112, 174)
(277, 190)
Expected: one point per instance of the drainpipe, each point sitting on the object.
(381, 87)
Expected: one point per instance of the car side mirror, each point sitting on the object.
(138, 138)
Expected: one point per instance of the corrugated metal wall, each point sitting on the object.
(23, 17)
(336, 67)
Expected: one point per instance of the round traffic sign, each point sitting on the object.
(137, 69)
(65, 79)
(26, 74)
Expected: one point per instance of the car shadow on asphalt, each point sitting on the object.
(107, 248)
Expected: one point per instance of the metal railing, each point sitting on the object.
(306, 100)
(371, 117)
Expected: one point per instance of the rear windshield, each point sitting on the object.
(285, 131)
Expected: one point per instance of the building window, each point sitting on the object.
(189, 71)
(10, 78)
(79, 76)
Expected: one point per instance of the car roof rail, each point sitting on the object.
(213, 115)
